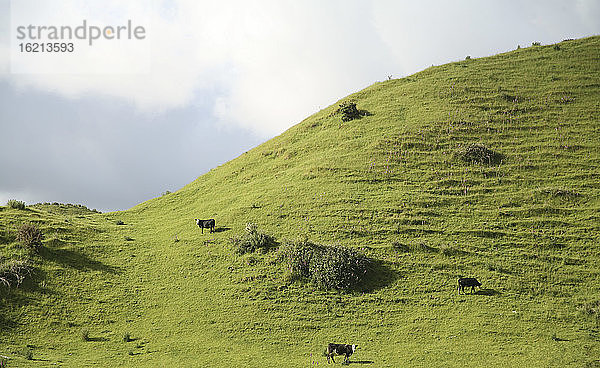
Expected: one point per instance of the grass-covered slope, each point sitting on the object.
(392, 184)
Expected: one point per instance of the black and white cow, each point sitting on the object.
(206, 224)
(467, 282)
(340, 349)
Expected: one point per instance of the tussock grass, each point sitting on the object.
(18, 205)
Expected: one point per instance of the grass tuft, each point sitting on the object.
(18, 205)
(480, 154)
(252, 240)
(30, 236)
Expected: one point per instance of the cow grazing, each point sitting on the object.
(467, 282)
(340, 349)
(206, 224)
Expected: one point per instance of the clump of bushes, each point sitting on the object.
(30, 236)
(327, 267)
(18, 205)
(479, 153)
(252, 240)
(14, 272)
(348, 111)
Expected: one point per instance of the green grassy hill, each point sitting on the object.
(391, 184)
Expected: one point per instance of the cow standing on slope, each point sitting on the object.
(340, 349)
(464, 282)
(206, 224)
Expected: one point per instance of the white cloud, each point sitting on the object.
(266, 65)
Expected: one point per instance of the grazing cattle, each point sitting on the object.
(206, 224)
(340, 349)
(466, 282)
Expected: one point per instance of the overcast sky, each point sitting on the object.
(212, 79)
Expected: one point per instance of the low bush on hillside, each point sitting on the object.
(30, 236)
(14, 272)
(252, 240)
(348, 111)
(327, 267)
(18, 205)
(479, 153)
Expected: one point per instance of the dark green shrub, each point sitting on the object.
(119, 222)
(298, 257)
(18, 205)
(556, 47)
(468, 57)
(478, 153)
(536, 44)
(30, 236)
(348, 111)
(252, 240)
(327, 267)
(127, 337)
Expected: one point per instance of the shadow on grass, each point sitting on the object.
(15, 297)
(76, 260)
(487, 292)
(361, 362)
(5, 323)
(221, 229)
(97, 339)
(380, 275)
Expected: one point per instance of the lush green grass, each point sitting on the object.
(389, 184)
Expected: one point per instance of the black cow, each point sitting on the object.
(340, 349)
(206, 224)
(466, 282)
